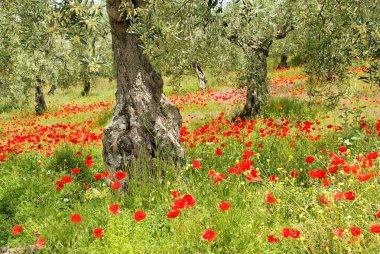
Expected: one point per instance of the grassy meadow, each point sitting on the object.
(302, 178)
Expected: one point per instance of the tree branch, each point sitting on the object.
(284, 30)
(113, 10)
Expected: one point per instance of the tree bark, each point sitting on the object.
(202, 80)
(40, 106)
(283, 63)
(86, 88)
(52, 90)
(257, 82)
(145, 123)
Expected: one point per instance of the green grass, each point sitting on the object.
(28, 196)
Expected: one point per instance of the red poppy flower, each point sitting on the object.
(114, 209)
(75, 171)
(247, 154)
(66, 179)
(317, 173)
(294, 174)
(338, 232)
(115, 185)
(350, 195)
(351, 169)
(17, 230)
(98, 176)
(98, 233)
(189, 199)
(288, 232)
(224, 206)
(333, 169)
(173, 214)
(378, 215)
(59, 185)
(209, 235)
(270, 199)
(325, 182)
(355, 231)
(324, 200)
(372, 156)
(179, 204)
(197, 164)
(76, 218)
(274, 178)
(120, 175)
(78, 154)
(139, 216)
(272, 239)
(248, 144)
(375, 229)
(219, 177)
(342, 149)
(89, 163)
(309, 159)
(364, 177)
(176, 194)
(218, 152)
(338, 196)
(40, 243)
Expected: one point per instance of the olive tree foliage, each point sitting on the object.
(334, 33)
(254, 25)
(85, 26)
(183, 38)
(29, 52)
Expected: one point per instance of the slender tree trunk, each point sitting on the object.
(52, 90)
(145, 124)
(283, 63)
(86, 88)
(257, 82)
(40, 106)
(202, 80)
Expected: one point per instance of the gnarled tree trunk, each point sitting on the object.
(202, 80)
(52, 90)
(86, 88)
(283, 62)
(257, 82)
(40, 104)
(145, 123)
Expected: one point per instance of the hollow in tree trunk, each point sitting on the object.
(283, 62)
(145, 123)
(257, 82)
(86, 88)
(202, 80)
(52, 90)
(40, 104)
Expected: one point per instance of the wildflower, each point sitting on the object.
(17, 230)
(139, 215)
(270, 199)
(115, 185)
(309, 159)
(197, 164)
(355, 231)
(75, 171)
(375, 229)
(224, 206)
(120, 175)
(209, 235)
(76, 218)
(114, 209)
(272, 239)
(173, 214)
(40, 243)
(98, 233)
